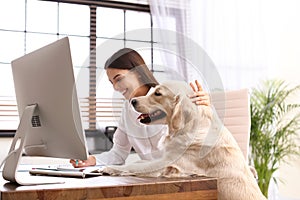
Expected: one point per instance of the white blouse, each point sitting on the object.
(145, 139)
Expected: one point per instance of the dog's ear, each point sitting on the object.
(177, 121)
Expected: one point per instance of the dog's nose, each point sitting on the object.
(133, 102)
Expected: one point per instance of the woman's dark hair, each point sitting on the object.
(127, 58)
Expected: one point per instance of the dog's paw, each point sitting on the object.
(171, 171)
(116, 171)
(110, 171)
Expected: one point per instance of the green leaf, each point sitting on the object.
(274, 126)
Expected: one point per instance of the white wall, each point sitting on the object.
(288, 68)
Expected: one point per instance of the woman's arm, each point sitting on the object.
(117, 155)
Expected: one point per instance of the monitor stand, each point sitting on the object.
(15, 153)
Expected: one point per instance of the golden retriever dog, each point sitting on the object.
(197, 144)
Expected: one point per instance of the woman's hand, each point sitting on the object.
(199, 97)
(91, 161)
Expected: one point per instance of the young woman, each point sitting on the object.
(130, 76)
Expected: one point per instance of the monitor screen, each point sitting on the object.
(45, 78)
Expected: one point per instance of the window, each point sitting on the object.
(33, 24)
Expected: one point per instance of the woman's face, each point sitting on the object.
(124, 81)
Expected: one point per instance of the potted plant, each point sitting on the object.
(274, 128)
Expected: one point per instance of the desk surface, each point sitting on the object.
(114, 188)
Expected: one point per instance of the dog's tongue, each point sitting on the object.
(143, 116)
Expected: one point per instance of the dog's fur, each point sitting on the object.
(197, 144)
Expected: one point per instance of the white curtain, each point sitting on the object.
(182, 57)
(227, 40)
(169, 18)
(235, 35)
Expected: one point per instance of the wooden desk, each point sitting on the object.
(114, 188)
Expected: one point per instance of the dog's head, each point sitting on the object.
(167, 104)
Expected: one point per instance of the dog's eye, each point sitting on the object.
(157, 93)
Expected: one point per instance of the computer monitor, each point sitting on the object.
(50, 120)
